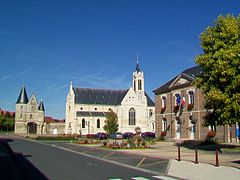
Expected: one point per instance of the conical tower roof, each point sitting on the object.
(22, 99)
(41, 106)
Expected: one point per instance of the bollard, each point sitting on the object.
(196, 156)
(179, 156)
(217, 161)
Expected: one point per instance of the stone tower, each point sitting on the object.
(29, 116)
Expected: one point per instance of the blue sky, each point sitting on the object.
(93, 43)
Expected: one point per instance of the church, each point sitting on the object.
(86, 108)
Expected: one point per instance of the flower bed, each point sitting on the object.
(55, 138)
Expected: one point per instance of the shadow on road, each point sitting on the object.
(15, 165)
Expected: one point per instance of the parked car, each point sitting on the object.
(117, 135)
(101, 135)
(128, 135)
(148, 135)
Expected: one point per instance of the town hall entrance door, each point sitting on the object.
(32, 128)
(193, 127)
(178, 130)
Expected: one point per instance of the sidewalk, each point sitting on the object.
(187, 169)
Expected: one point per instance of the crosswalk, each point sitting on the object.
(133, 178)
(143, 178)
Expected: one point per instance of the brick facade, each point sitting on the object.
(186, 122)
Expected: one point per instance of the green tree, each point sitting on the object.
(1, 121)
(220, 61)
(111, 125)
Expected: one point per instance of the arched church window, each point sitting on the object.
(150, 112)
(98, 123)
(139, 84)
(83, 123)
(132, 117)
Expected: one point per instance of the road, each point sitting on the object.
(56, 163)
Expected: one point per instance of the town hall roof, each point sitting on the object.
(188, 74)
(102, 96)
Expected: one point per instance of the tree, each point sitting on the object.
(111, 125)
(220, 78)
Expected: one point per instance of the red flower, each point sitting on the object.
(163, 133)
(211, 134)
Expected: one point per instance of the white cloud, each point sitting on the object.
(4, 78)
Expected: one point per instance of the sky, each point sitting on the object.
(44, 45)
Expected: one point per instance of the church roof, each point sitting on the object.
(22, 99)
(102, 96)
(149, 101)
(188, 74)
(99, 96)
(90, 114)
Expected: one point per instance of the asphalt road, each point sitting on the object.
(56, 163)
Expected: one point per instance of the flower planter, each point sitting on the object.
(190, 107)
(163, 109)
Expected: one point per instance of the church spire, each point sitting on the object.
(137, 65)
(22, 99)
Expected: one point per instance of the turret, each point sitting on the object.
(22, 98)
(41, 106)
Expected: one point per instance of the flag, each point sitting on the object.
(178, 100)
(183, 102)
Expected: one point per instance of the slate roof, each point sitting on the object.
(188, 74)
(41, 106)
(150, 102)
(22, 98)
(90, 113)
(138, 67)
(99, 96)
(102, 96)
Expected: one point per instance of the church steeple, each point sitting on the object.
(22, 98)
(138, 79)
(137, 66)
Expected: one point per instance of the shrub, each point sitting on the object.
(55, 138)
(104, 143)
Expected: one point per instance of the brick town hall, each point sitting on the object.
(86, 108)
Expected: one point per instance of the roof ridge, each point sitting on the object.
(100, 89)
